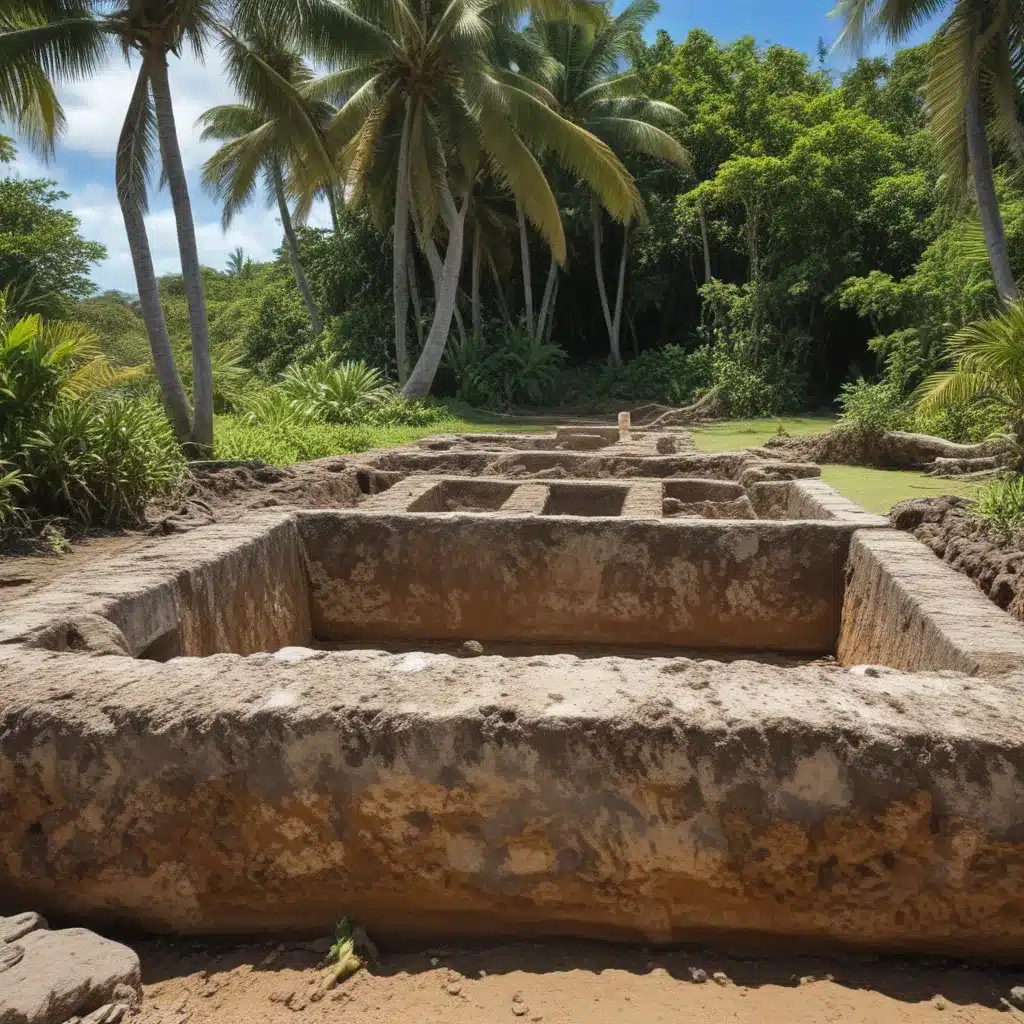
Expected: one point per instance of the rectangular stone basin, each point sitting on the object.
(176, 757)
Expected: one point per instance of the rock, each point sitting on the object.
(471, 649)
(666, 445)
(1017, 995)
(453, 988)
(11, 955)
(297, 1002)
(13, 928)
(67, 973)
(721, 977)
(940, 1003)
(112, 1013)
(698, 974)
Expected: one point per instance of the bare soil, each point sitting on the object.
(557, 983)
(946, 525)
(216, 495)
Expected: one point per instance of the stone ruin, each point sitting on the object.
(576, 683)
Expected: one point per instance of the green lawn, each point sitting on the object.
(734, 434)
(877, 490)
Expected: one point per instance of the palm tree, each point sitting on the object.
(258, 141)
(43, 42)
(595, 94)
(427, 111)
(46, 41)
(974, 70)
(238, 263)
(987, 368)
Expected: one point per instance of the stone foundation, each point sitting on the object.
(178, 755)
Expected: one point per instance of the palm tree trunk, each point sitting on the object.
(191, 272)
(437, 272)
(499, 289)
(401, 248)
(422, 377)
(332, 203)
(524, 250)
(601, 290)
(617, 322)
(551, 311)
(293, 252)
(414, 292)
(704, 239)
(545, 305)
(980, 157)
(475, 286)
(172, 390)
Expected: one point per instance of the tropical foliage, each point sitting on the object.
(70, 445)
(530, 205)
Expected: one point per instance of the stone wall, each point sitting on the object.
(655, 801)
(689, 583)
(905, 608)
(234, 587)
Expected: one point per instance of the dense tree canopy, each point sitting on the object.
(44, 261)
(813, 238)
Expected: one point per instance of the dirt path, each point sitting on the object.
(559, 983)
(21, 575)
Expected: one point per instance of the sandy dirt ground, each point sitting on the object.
(559, 983)
(21, 575)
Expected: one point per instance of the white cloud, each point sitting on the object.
(257, 231)
(84, 164)
(95, 108)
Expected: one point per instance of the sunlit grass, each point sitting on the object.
(877, 490)
(733, 434)
(283, 445)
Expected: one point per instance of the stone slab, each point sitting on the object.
(654, 800)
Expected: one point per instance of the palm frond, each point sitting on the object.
(946, 91)
(622, 133)
(576, 149)
(136, 146)
(231, 174)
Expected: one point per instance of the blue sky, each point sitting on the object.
(84, 160)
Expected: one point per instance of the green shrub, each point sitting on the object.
(70, 445)
(506, 367)
(669, 376)
(400, 412)
(875, 408)
(341, 394)
(99, 461)
(963, 422)
(282, 444)
(1000, 504)
(11, 485)
(365, 334)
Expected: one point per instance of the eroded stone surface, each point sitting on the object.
(66, 974)
(905, 608)
(644, 798)
(656, 799)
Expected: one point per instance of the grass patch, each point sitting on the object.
(285, 444)
(878, 490)
(733, 434)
